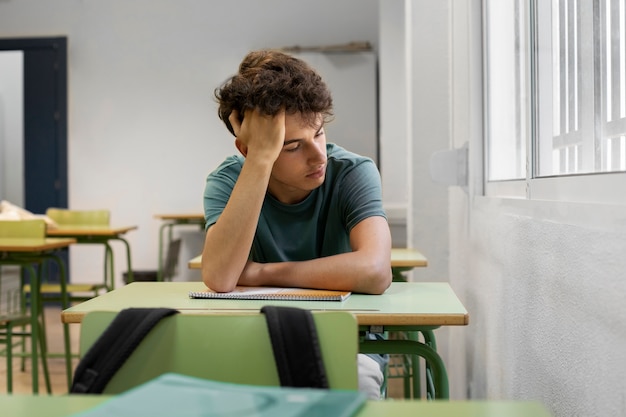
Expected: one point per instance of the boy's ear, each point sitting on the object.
(243, 149)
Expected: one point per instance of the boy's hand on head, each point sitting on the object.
(259, 136)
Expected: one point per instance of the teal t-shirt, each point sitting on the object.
(316, 227)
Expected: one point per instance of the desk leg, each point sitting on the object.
(35, 326)
(37, 337)
(65, 303)
(128, 260)
(429, 339)
(397, 273)
(412, 347)
(109, 263)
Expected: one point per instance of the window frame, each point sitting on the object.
(596, 187)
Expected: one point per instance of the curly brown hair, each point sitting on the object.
(271, 80)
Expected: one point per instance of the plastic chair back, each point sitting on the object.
(171, 259)
(230, 348)
(23, 229)
(65, 217)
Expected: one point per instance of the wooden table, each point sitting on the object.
(414, 306)
(101, 235)
(20, 405)
(25, 253)
(169, 222)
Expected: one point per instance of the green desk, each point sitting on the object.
(402, 260)
(405, 306)
(62, 406)
(25, 253)
(169, 222)
(101, 235)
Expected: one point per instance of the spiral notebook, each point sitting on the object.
(273, 293)
(179, 395)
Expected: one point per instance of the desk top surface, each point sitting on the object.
(24, 405)
(80, 230)
(33, 245)
(418, 304)
(180, 216)
(407, 257)
(400, 257)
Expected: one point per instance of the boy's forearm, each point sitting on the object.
(228, 242)
(353, 271)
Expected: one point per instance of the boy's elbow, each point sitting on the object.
(382, 285)
(380, 279)
(217, 285)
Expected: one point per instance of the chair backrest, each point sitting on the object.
(65, 217)
(23, 229)
(224, 347)
(10, 304)
(171, 259)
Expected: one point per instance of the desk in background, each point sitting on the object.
(403, 307)
(62, 406)
(405, 259)
(25, 253)
(102, 235)
(171, 221)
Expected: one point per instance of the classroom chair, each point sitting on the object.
(14, 332)
(169, 269)
(171, 259)
(15, 318)
(78, 292)
(51, 292)
(233, 347)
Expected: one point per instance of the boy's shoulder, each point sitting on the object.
(343, 157)
(231, 164)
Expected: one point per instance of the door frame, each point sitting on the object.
(57, 83)
(45, 184)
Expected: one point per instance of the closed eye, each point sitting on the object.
(292, 147)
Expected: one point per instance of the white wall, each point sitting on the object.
(143, 129)
(430, 131)
(395, 115)
(415, 122)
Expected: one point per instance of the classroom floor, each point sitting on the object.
(22, 380)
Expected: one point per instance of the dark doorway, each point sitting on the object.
(45, 120)
(45, 125)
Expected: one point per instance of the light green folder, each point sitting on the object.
(184, 396)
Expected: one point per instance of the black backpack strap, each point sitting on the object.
(114, 346)
(296, 347)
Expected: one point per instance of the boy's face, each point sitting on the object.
(301, 165)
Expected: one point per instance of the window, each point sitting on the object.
(555, 77)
